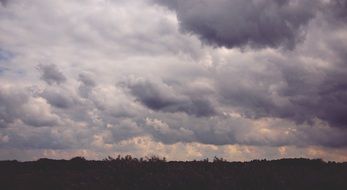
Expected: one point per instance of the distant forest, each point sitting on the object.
(155, 173)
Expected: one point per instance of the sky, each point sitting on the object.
(184, 79)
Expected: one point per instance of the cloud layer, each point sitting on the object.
(186, 79)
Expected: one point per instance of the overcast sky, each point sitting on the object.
(184, 79)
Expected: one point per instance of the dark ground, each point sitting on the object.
(126, 173)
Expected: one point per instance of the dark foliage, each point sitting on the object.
(127, 173)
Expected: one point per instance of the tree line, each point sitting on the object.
(156, 173)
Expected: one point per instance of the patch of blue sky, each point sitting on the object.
(5, 55)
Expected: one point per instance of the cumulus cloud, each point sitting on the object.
(58, 98)
(162, 131)
(18, 106)
(10, 102)
(87, 84)
(159, 96)
(51, 74)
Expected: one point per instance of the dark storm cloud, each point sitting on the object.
(240, 23)
(159, 96)
(287, 88)
(309, 99)
(51, 74)
(337, 9)
(4, 2)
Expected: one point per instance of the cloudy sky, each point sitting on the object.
(184, 79)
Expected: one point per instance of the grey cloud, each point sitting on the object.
(87, 84)
(51, 74)
(219, 130)
(10, 103)
(124, 129)
(37, 113)
(167, 133)
(249, 87)
(325, 136)
(4, 2)
(240, 23)
(337, 9)
(324, 98)
(159, 96)
(64, 137)
(226, 130)
(59, 99)
(286, 88)
(36, 121)
(86, 79)
(18, 105)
